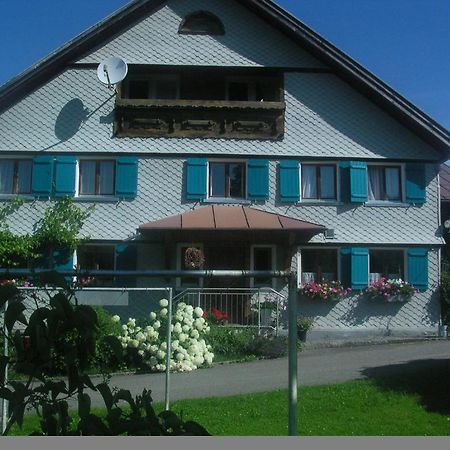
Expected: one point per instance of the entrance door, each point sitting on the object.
(222, 257)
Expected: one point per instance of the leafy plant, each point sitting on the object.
(269, 347)
(304, 323)
(445, 298)
(63, 331)
(231, 340)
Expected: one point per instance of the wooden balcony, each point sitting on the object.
(199, 119)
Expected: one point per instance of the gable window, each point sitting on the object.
(318, 265)
(385, 183)
(318, 181)
(388, 264)
(201, 22)
(15, 176)
(227, 179)
(252, 89)
(97, 177)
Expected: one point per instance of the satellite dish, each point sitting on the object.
(112, 70)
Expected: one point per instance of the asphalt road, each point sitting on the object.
(315, 367)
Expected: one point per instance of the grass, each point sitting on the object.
(357, 408)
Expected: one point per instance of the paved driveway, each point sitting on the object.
(319, 366)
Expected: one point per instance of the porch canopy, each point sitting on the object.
(231, 218)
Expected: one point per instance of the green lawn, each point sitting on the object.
(355, 408)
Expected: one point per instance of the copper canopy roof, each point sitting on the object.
(221, 217)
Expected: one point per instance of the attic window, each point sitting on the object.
(201, 22)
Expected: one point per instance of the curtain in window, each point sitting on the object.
(375, 183)
(24, 175)
(87, 176)
(327, 182)
(106, 178)
(6, 176)
(392, 183)
(309, 182)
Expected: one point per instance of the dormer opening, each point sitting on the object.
(202, 22)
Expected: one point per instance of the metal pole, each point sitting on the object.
(292, 352)
(5, 353)
(169, 350)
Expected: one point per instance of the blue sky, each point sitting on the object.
(404, 42)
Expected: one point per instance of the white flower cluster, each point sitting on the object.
(189, 348)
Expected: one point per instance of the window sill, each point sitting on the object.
(225, 200)
(319, 203)
(381, 204)
(97, 198)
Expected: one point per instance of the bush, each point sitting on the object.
(230, 340)
(269, 347)
(445, 298)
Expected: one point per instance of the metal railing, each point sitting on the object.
(257, 307)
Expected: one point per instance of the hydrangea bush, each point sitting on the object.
(389, 290)
(189, 348)
(326, 291)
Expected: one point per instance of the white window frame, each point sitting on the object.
(252, 263)
(405, 260)
(338, 184)
(402, 182)
(19, 158)
(328, 247)
(208, 179)
(78, 180)
(178, 281)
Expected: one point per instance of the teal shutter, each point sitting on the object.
(359, 268)
(258, 179)
(358, 182)
(65, 176)
(415, 183)
(289, 179)
(196, 169)
(418, 268)
(42, 177)
(126, 177)
(126, 259)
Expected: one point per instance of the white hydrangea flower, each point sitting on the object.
(141, 352)
(179, 356)
(163, 312)
(163, 303)
(185, 328)
(195, 334)
(181, 305)
(157, 325)
(140, 336)
(182, 337)
(131, 323)
(198, 311)
(153, 361)
(115, 319)
(152, 315)
(177, 328)
(163, 346)
(160, 354)
(125, 328)
(198, 324)
(133, 343)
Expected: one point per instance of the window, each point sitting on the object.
(227, 179)
(386, 264)
(318, 182)
(181, 265)
(97, 177)
(201, 22)
(253, 89)
(263, 257)
(385, 183)
(318, 265)
(157, 87)
(15, 176)
(97, 257)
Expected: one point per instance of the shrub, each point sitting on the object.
(231, 340)
(269, 347)
(189, 347)
(445, 298)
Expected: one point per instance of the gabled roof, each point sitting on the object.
(344, 66)
(444, 180)
(222, 217)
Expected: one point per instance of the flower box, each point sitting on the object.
(327, 291)
(389, 291)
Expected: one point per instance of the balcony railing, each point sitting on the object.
(199, 118)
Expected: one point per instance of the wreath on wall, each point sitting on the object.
(194, 258)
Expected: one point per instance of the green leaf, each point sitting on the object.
(7, 292)
(88, 382)
(84, 405)
(73, 376)
(6, 393)
(115, 345)
(106, 393)
(195, 429)
(92, 425)
(124, 394)
(4, 360)
(14, 314)
(171, 420)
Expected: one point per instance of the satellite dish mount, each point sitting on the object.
(112, 71)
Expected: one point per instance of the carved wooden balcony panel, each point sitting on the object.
(205, 119)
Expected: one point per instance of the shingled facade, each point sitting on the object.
(233, 104)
